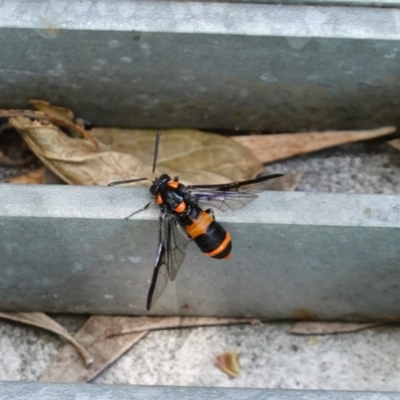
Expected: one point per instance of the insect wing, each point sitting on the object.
(223, 201)
(170, 255)
(177, 243)
(160, 275)
(231, 196)
(256, 184)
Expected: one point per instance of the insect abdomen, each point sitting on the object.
(216, 242)
(211, 238)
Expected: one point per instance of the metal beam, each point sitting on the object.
(210, 65)
(207, 17)
(68, 249)
(50, 391)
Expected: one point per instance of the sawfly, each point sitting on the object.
(186, 214)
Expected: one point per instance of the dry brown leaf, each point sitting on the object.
(395, 143)
(228, 362)
(77, 161)
(35, 177)
(327, 328)
(68, 366)
(196, 157)
(312, 341)
(41, 116)
(41, 320)
(107, 338)
(269, 148)
(53, 111)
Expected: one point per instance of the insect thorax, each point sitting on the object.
(171, 198)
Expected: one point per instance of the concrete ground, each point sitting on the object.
(270, 357)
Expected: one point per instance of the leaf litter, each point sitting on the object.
(107, 338)
(270, 148)
(36, 176)
(59, 113)
(395, 143)
(41, 320)
(77, 161)
(196, 157)
(228, 362)
(101, 155)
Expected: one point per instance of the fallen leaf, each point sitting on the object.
(53, 111)
(77, 161)
(198, 157)
(33, 177)
(62, 116)
(68, 367)
(269, 148)
(326, 328)
(41, 320)
(228, 362)
(395, 143)
(41, 116)
(108, 337)
(195, 156)
(312, 340)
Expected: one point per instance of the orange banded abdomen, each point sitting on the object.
(211, 237)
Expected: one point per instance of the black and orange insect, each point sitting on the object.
(183, 219)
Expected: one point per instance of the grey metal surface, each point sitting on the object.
(42, 391)
(232, 18)
(205, 65)
(68, 249)
(368, 3)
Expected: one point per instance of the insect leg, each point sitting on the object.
(142, 209)
(126, 181)
(210, 211)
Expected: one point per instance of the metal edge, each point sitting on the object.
(296, 208)
(205, 18)
(50, 391)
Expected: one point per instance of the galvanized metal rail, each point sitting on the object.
(69, 249)
(281, 67)
(41, 391)
(214, 65)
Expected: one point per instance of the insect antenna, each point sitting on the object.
(154, 165)
(156, 150)
(126, 181)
